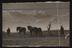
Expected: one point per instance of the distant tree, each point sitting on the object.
(49, 26)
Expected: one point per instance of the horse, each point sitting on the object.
(18, 29)
(21, 29)
(34, 30)
(39, 31)
(30, 29)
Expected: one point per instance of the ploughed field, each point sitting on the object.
(47, 39)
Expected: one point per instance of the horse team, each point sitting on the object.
(34, 30)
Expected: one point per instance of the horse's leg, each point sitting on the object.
(20, 31)
(24, 32)
(41, 33)
(31, 33)
(37, 33)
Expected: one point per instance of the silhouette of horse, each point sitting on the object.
(21, 29)
(30, 29)
(18, 29)
(39, 31)
(34, 30)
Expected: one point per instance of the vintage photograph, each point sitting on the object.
(35, 24)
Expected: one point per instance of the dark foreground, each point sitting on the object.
(16, 40)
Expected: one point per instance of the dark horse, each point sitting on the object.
(34, 30)
(21, 29)
(30, 29)
(39, 31)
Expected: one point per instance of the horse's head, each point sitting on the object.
(29, 27)
(18, 28)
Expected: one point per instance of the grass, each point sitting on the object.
(46, 39)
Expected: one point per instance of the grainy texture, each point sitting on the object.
(27, 40)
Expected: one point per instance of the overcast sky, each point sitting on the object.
(35, 14)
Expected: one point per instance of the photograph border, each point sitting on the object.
(13, 1)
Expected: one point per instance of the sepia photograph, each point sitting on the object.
(35, 24)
